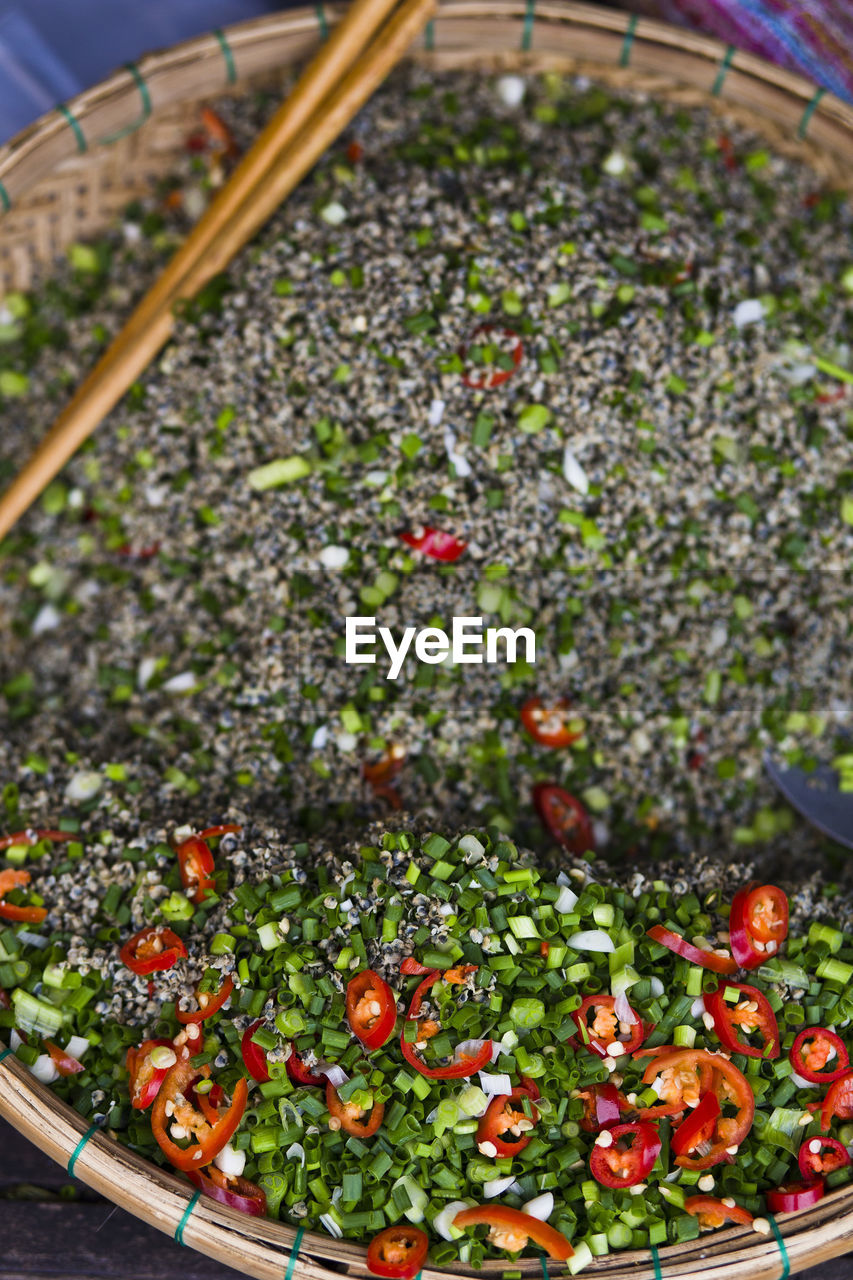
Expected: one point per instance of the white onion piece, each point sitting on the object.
(800, 1082)
(333, 1073)
(497, 1186)
(493, 1085)
(566, 900)
(623, 1010)
(443, 1220)
(432, 1115)
(44, 1069)
(471, 845)
(331, 1225)
(591, 940)
(14, 1040)
(656, 986)
(77, 1045)
(540, 1207)
(231, 1162)
(33, 939)
(698, 1007)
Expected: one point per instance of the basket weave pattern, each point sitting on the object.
(73, 171)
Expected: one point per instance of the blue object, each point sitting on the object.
(52, 49)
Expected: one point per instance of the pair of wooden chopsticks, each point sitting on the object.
(349, 67)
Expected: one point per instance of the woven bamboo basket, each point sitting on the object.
(73, 171)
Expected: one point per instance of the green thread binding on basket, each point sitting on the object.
(527, 30)
(656, 1264)
(809, 112)
(80, 1145)
(228, 55)
(625, 55)
(786, 1263)
(723, 70)
(7, 205)
(6, 1052)
(179, 1229)
(543, 1262)
(429, 36)
(321, 19)
(294, 1253)
(82, 144)
(139, 80)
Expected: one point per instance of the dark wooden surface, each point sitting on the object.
(88, 1239)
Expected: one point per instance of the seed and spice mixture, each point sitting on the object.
(520, 350)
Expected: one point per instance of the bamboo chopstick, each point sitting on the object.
(330, 92)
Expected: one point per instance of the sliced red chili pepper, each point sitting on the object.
(435, 543)
(410, 966)
(153, 548)
(681, 947)
(529, 1086)
(65, 1064)
(792, 1196)
(350, 1115)
(235, 1191)
(207, 1004)
(464, 1066)
(730, 1017)
(605, 1028)
(13, 878)
(371, 1008)
(398, 1252)
(712, 1212)
(152, 949)
(698, 1127)
(221, 137)
(757, 910)
(254, 1057)
(485, 377)
(601, 1108)
(224, 829)
(501, 1118)
(629, 1156)
(731, 1087)
(196, 866)
(815, 1048)
(821, 1155)
(516, 1228)
(298, 1071)
(145, 1078)
(29, 837)
(549, 725)
(838, 1100)
(564, 817)
(355, 152)
(682, 1084)
(210, 1139)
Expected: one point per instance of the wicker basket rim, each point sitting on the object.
(619, 42)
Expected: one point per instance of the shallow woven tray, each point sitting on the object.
(67, 177)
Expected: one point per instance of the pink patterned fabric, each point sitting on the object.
(814, 37)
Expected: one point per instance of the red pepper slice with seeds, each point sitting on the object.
(152, 950)
(821, 1155)
(398, 1252)
(758, 923)
(65, 1064)
(14, 878)
(729, 1017)
(29, 838)
(698, 1126)
(549, 724)
(628, 1157)
(371, 1008)
(564, 817)
(209, 1138)
(301, 1074)
(681, 947)
(813, 1049)
(838, 1100)
(501, 1117)
(196, 866)
(713, 1213)
(696, 1071)
(602, 1108)
(435, 544)
(605, 1029)
(254, 1058)
(351, 1116)
(465, 1066)
(484, 377)
(207, 1004)
(145, 1078)
(791, 1196)
(520, 1227)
